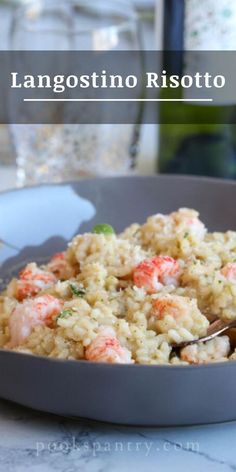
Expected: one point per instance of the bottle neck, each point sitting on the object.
(173, 35)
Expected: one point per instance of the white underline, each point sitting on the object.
(118, 100)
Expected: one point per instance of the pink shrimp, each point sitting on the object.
(229, 271)
(106, 348)
(153, 273)
(30, 313)
(177, 316)
(188, 220)
(175, 306)
(32, 280)
(60, 267)
(216, 349)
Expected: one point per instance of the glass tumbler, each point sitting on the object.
(54, 153)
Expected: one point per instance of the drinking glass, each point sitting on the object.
(69, 151)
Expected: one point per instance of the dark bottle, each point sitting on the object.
(189, 147)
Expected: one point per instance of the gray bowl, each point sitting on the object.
(37, 222)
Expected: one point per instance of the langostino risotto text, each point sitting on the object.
(127, 298)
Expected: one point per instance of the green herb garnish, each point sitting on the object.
(64, 314)
(103, 229)
(186, 235)
(78, 291)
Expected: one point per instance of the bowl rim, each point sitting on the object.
(99, 365)
(185, 177)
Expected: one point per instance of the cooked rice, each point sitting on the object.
(104, 313)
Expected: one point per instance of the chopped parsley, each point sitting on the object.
(78, 291)
(103, 229)
(64, 314)
(186, 235)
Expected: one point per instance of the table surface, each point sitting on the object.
(44, 443)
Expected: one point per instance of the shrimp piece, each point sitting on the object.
(178, 317)
(31, 313)
(60, 267)
(106, 348)
(214, 350)
(175, 306)
(152, 274)
(187, 221)
(32, 280)
(229, 271)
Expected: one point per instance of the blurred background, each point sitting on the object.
(146, 155)
(31, 154)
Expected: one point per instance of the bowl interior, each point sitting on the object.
(37, 222)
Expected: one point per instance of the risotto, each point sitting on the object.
(129, 297)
